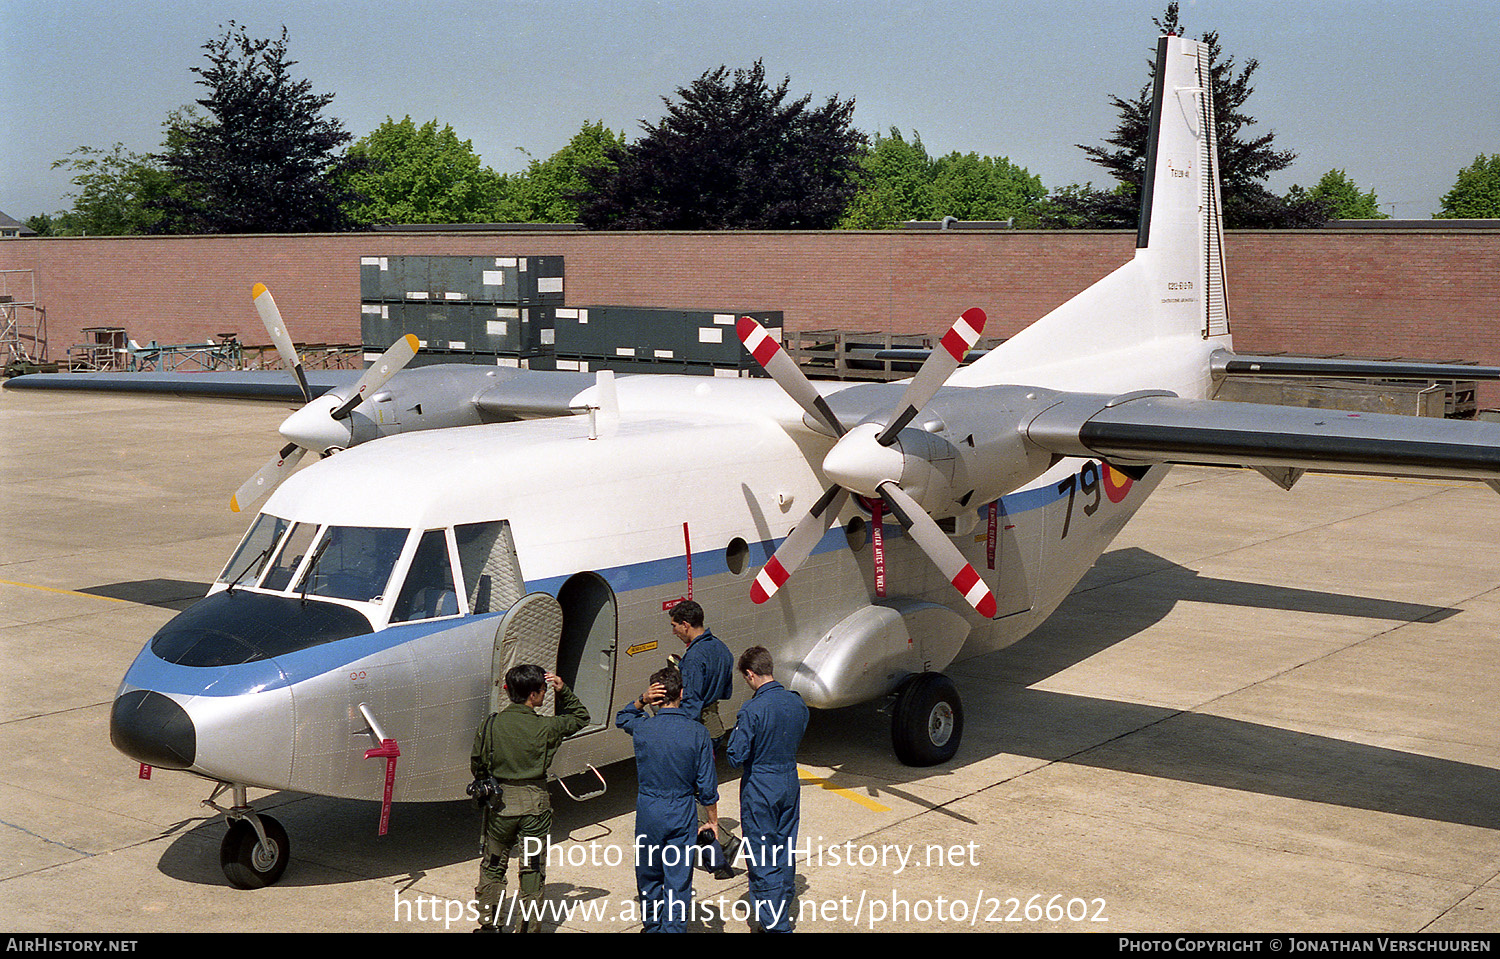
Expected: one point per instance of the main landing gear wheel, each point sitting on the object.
(250, 862)
(928, 720)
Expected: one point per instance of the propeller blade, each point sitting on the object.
(940, 365)
(775, 361)
(265, 305)
(267, 478)
(389, 364)
(799, 544)
(926, 533)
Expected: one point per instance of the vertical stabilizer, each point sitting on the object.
(1181, 234)
(1153, 322)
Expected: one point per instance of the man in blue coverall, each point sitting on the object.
(764, 742)
(674, 763)
(707, 668)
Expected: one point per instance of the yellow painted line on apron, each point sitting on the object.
(64, 592)
(849, 794)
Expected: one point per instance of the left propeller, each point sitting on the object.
(323, 425)
(868, 461)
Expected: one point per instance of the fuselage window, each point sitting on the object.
(353, 562)
(428, 591)
(247, 562)
(737, 555)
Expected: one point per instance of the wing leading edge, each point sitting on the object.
(1148, 428)
(237, 384)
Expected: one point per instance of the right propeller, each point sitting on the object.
(866, 462)
(323, 424)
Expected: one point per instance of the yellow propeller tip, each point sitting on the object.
(234, 504)
(257, 290)
(412, 341)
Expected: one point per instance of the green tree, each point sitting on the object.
(1340, 197)
(263, 158)
(731, 153)
(1245, 161)
(1477, 192)
(117, 191)
(549, 190)
(973, 187)
(114, 192)
(899, 181)
(895, 184)
(403, 173)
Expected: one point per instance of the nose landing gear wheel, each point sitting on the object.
(928, 721)
(249, 862)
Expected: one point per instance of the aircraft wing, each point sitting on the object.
(1225, 363)
(235, 384)
(1146, 428)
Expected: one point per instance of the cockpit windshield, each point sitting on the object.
(353, 562)
(341, 562)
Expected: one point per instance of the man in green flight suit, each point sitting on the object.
(515, 746)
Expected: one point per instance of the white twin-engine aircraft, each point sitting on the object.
(353, 642)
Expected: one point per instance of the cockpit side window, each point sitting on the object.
(249, 560)
(492, 574)
(428, 592)
(353, 562)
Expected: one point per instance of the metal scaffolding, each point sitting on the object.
(23, 324)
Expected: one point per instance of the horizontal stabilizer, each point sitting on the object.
(1146, 428)
(1224, 363)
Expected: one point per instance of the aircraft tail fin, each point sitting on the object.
(1181, 223)
(1171, 297)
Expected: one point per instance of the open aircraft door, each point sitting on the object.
(587, 654)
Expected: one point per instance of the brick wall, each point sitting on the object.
(1421, 294)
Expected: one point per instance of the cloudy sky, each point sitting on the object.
(1399, 94)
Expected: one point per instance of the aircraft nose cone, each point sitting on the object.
(151, 728)
(314, 428)
(858, 463)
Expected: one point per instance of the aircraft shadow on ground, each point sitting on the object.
(334, 841)
(1004, 716)
(175, 594)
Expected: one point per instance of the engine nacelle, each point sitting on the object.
(969, 447)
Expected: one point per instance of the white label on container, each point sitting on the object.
(457, 345)
(496, 327)
(625, 351)
(549, 284)
(663, 354)
(710, 334)
(724, 319)
(415, 295)
(509, 261)
(493, 278)
(549, 337)
(507, 312)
